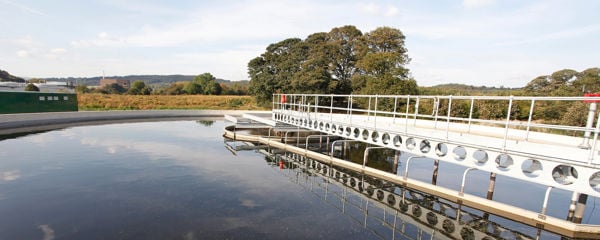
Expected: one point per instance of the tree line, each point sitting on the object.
(205, 84)
(341, 61)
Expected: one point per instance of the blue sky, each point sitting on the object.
(476, 42)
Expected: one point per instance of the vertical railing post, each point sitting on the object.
(510, 102)
(529, 119)
(416, 111)
(591, 158)
(331, 110)
(369, 109)
(471, 114)
(351, 110)
(406, 114)
(448, 116)
(395, 106)
(375, 113)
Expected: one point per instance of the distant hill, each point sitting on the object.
(148, 79)
(6, 77)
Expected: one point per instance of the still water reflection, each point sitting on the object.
(161, 180)
(177, 180)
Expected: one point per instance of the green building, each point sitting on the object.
(30, 102)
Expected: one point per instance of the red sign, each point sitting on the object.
(591, 95)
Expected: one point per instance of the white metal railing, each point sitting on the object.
(453, 109)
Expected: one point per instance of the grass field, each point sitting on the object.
(144, 102)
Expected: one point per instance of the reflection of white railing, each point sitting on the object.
(447, 221)
(515, 141)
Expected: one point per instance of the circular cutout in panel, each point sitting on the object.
(385, 139)
(425, 146)
(321, 125)
(340, 130)
(448, 226)
(365, 134)
(333, 128)
(432, 219)
(397, 141)
(374, 136)
(467, 233)
(327, 127)
(595, 181)
(480, 156)
(348, 131)
(531, 168)
(356, 132)
(460, 153)
(564, 174)
(504, 161)
(441, 149)
(315, 124)
(411, 143)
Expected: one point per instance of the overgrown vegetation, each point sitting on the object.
(95, 101)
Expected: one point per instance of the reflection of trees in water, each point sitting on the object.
(381, 159)
(206, 123)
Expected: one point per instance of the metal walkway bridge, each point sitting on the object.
(525, 138)
(554, 155)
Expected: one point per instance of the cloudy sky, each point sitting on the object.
(476, 42)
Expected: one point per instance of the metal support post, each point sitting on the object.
(471, 113)
(529, 119)
(545, 204)
(462, 185)
(436, 165)
(510, 102)
(588, 125)
(572, 206)
(580, 208)
(396, 161)
(448, 117)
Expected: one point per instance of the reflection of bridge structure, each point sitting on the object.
(531, 151)
(414, 216)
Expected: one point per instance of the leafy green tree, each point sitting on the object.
(112, 89)
(346, 44)
(192, 88)
(31, 88)
(382, 67)
(274, 70)
(174, 89)
(209, 84)
(82, 89)
(138, 87)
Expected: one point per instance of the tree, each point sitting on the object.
(345, 43)
(31, 88)
(138, 87)
(113, 89)
(82, 89)
(192, 88)
(274, 70)
(208, 84)
(382, 66)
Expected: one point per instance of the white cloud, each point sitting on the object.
(23, 53)
(477, 3)
(379, 10)
(23, 7)
(58, 50)
(48, 232)
(11, 175)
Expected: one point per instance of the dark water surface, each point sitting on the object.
(160, 180)
(177, 180)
